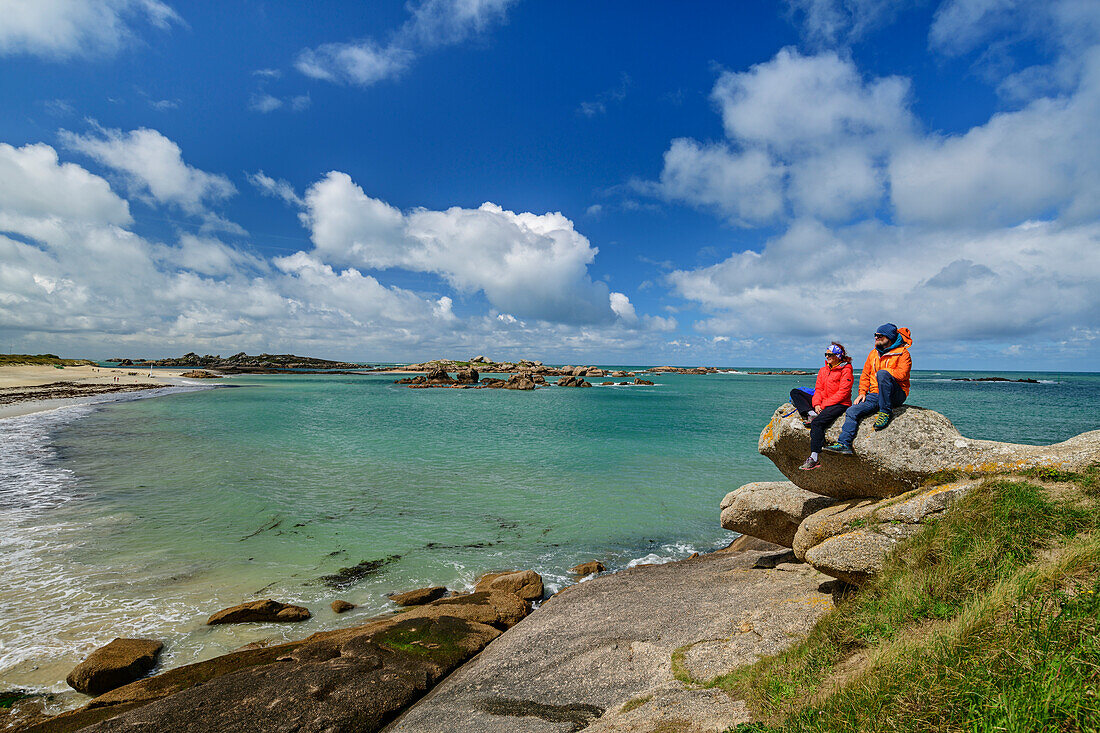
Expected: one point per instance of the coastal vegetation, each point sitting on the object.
(41, 360)
(988, 619)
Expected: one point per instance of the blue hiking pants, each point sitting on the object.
(889, 395)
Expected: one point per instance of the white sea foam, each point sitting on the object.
(41, 586)
(669, 552)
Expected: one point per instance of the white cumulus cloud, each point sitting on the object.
(531, 265)
(432, 23)
(153, 165)
(74, 277)
(806, 135)
(62, 29)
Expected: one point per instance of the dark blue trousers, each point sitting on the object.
(889, 395)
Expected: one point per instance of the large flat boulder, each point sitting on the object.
(116, 664)
(598, 645)
(770, 510)
(917, 444)
(851, 539)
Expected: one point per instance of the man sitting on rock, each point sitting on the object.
(883, 384)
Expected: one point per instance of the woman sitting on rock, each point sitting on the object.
(830, 397)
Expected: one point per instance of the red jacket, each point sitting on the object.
(834, 386)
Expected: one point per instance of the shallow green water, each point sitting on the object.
(145, 516)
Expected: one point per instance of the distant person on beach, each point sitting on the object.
(830, 397)
(883, 384)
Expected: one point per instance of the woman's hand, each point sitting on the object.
(860, 398)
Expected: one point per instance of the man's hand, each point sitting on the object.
(860, 399)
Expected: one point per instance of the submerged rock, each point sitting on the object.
(770, 510)
(116, 664)
(917, 444)
(263, 611)
(345, 577)
(340, 606)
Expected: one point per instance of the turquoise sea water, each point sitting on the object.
(141, 517)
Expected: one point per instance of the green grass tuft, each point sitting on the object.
(41, 359)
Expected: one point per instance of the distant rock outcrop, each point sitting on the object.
(467, 376)
(521, 381)
(242, 363)
(438, 376)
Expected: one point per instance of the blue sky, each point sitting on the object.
(623, 182)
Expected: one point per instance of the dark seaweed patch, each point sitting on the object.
(345, 577)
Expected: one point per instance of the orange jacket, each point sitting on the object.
(896, 361)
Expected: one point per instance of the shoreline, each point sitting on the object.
(27, 389)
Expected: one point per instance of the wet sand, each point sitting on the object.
(27, 389)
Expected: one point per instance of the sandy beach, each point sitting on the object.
(31, 388)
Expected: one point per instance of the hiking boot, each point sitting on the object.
(882, 420)
(806, 421)
(810, 465)
(841, 448)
